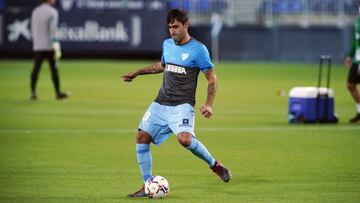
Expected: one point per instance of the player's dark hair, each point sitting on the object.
(177, 14)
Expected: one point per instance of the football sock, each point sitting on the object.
(197, 148)
(358, 107)
(145, 160)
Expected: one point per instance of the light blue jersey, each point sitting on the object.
(182, 66)
(173, 109)
(193, 54)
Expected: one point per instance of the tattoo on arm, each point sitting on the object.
(212, 83)
(152, 69)
(211, 93)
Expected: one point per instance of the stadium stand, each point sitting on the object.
(271, 12)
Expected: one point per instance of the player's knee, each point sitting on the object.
(185, 138)
(351, 87)
(142, 137)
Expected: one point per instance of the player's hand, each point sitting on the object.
(348, 62)
(206, 111)
(128, 77)
(57, 50)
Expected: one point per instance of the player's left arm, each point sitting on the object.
(206, 109)
(53, 31)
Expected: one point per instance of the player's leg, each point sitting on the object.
(144, 158)
(55, 76)
(187, 140)
(196, 147)
(143, 154)
(355, 95)
(153, 128)
(183, 125)
(353, 79)
(38, 59)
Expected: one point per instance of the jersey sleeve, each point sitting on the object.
(203, 59)
(54, 20)
(162, 54)
(354, 42)
(351, 52)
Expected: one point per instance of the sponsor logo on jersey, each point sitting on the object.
(175, 69)
(185, 123)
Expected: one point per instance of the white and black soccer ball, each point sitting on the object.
(157, 187)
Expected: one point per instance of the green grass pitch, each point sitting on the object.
(82, 149)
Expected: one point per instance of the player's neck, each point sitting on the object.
(185, 40)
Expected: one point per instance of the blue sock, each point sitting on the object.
(144, 159)
(197, 148)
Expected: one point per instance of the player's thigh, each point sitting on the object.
(154, 123)
(182, 119)
(354, 74)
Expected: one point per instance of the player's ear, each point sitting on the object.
(186, 24)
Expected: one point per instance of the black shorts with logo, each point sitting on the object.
(354, 74)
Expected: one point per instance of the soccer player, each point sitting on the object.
(172, 112)
(44, 22)
(352, 61)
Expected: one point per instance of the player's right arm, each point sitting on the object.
(152, 69)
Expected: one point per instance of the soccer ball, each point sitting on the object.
(157, 187)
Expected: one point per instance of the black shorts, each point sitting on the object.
(49, 55)
(354, 74)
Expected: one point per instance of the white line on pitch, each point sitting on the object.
(230, 129)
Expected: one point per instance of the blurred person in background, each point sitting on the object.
(44, 27)
(172, 112)
(352, 61)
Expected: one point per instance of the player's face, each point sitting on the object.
(178, 31)
(52, 2)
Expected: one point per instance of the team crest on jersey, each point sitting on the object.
(184, 56)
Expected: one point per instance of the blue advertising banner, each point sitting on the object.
(93, 25)
(2, 4)
(1, 29)
(114, 5)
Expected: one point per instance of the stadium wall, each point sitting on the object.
(113, 30)
(286, 43)
(94, 28)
